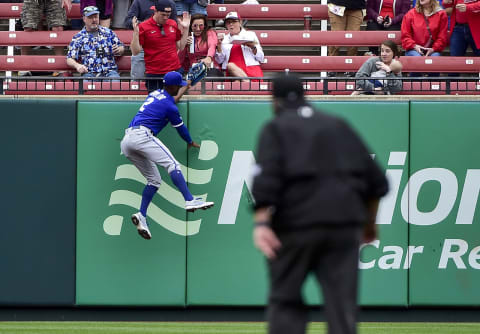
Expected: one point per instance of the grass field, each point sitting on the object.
(222, 327)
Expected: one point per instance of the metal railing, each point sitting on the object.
(231, 85)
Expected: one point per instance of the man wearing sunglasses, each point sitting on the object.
(92, 50)
(160, 38)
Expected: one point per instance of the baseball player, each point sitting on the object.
(141, 146)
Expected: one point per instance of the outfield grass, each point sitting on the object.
(222, 327)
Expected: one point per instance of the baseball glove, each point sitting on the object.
(196, 73)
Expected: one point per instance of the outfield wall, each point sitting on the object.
(69, 241)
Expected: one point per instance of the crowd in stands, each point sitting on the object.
(172, 35)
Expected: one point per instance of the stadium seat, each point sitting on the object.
(13, 10)
(269, 11)
(216, 11)
(72, 88)
(271, 63)
(266, 37)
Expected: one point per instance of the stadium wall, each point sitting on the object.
(77, 231)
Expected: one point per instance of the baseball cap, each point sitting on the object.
(232, 16)
(90, 10)
(174, 79)
(160, 5)
(288, 87)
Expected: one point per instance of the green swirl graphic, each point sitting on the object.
(112, 225)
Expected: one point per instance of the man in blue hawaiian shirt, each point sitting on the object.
(93, 49)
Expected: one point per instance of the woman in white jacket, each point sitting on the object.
(240, 52)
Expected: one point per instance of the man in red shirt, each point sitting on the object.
(160, 38)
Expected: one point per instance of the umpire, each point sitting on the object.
(316, 190)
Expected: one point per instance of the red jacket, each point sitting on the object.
(473, 18)
(414, 30)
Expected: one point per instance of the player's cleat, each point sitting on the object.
(197, 203)
(142, 227)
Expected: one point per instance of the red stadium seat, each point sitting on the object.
(259, 12)
(266, 37)
(272, 63)
(72, 88)
(270, 11)
(41, 88)
(432, 88)
(13, 11)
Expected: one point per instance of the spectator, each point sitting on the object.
(31, 17)
(386, 15)
(465, 20)
(191, 6)
(142, 10)
(447, 10)
(160, 39)
(92, 51)
(424, 29)
(120, 12)
(203, 44)
(239, 52)
(345, 15)
(105, 7)
(385, 66)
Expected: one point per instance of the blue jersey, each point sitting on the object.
(158, 109)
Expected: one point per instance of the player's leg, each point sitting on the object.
(149, 170)
(161, 155)
(336, 268)
(286, 312)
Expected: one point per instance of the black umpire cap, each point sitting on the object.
(288, 87)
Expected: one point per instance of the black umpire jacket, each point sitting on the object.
(314, 169)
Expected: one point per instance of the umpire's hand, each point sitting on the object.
(263, 236)
(266, 241)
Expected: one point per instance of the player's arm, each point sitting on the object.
(135, 43)
(182, 91)
(183, 132)
(177, 122)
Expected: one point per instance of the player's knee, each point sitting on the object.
(173, 167)
(156, 182)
